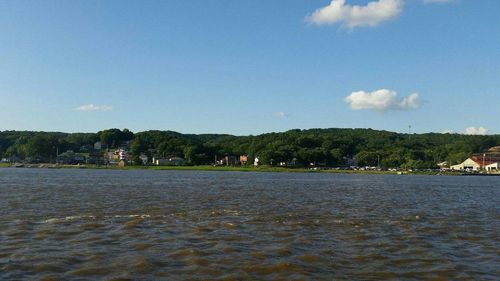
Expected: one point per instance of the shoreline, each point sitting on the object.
(261, 169)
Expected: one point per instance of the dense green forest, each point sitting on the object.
(330, 147)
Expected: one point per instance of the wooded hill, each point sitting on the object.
(330, 147)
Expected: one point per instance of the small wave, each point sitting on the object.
(53, 220)
(68, 218)
(90, 217)
(143, 216)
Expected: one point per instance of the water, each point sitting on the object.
(168, 225)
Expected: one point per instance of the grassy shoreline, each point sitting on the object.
(265, 169)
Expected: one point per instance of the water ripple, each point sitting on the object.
(109, 225)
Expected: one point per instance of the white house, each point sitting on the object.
(122, 154)
(493, 167)
(468, 164)
(256, 161)
(144, 158)
(444, 165)
(486, 161)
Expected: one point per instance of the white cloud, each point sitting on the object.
(281, 114)
(351, 16)
(93, 107)
(476, 131)
(382, 100)
(438, 1)
(448, 131)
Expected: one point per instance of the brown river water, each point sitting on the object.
(188, 225)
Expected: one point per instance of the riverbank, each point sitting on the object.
(232, 169)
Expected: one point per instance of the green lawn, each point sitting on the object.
(234, 169)
(202, 168)
(264, 168)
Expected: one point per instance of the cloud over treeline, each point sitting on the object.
(382, 100)
(476, 131)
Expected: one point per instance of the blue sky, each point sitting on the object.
(250, 66)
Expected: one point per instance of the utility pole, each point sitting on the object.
(484, 155)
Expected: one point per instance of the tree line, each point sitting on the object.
(328, 147)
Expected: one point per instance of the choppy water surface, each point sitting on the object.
(165, 225)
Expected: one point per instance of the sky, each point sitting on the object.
(250, 66)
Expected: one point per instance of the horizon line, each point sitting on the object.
(256, 134)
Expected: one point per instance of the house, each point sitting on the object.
(176, 161)
(96, 158)
(85, 148)
(98, 146)
(71, 158)
(126, 144)
(494, 167)
(243, 159)
(228, 160)
(144, 158)
(171, 161)
(468, 164)
(494, 150)
(443, 165)
(293, 163)
(160, 161)
(114, 157)
(14, 159)
(479, 161)
(350, 161)
(122, 154)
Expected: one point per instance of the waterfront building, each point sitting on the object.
(488, 160)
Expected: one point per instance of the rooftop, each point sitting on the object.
(494, 149)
